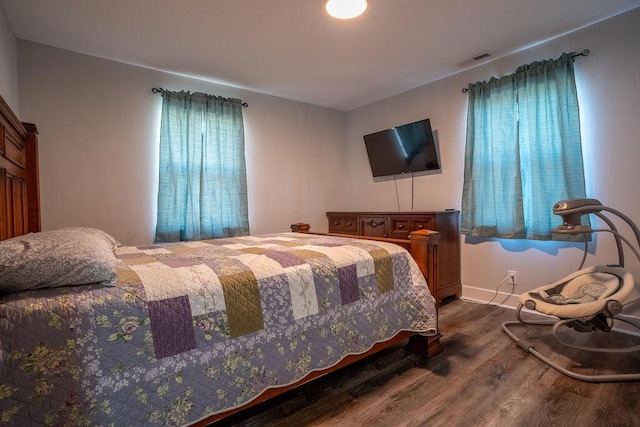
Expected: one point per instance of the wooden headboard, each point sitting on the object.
(19, 182)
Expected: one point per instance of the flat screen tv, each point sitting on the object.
(402, 149)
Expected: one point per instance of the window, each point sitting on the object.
(523, 151)
(203, 187)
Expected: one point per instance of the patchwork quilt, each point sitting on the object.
(195, 328)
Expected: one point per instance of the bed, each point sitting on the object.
(96, 333)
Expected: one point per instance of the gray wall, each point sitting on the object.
(609, 94)
(99, 127)
(8, 64)
(99, 123)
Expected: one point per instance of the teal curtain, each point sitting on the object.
(203, 187)
(523, 151)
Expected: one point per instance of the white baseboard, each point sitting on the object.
(507, 300)
(483, 296)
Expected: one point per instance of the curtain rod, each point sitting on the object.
(583, 53)
(161, 90)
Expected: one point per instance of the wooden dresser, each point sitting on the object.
(398, 225)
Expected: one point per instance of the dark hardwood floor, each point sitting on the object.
(482, 378)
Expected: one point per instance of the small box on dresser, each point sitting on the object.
(398, 225)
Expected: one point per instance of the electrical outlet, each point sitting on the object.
(513, 277)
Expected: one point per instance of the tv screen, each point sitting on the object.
(402, 149)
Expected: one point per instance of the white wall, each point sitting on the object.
(609, 93)
(99, 121)
(99, 131)
(8, 64)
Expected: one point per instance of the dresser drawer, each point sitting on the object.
(374, 226)
(401, 227)
(425, 224)
(343, 224)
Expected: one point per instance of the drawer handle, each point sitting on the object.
(336, 223)
(374, 224)
(349, 224)
(420, 226)
(400, 226)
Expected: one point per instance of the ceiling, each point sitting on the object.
(293, 49)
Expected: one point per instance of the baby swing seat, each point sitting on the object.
(587, 300)
(583, 295)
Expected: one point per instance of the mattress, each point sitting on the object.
(193, 329)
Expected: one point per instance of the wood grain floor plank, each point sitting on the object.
(482, 378)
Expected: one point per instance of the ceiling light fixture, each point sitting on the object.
(345, 9)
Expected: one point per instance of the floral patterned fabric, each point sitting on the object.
(195, 328)
(69, 256)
